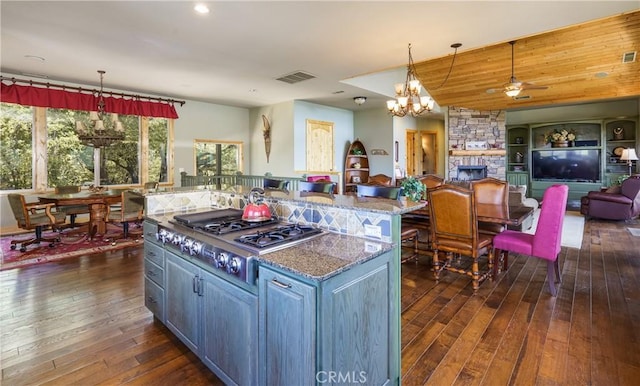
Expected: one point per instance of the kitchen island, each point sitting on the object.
(322, 311)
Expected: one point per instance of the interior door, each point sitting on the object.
(319, 146)
(411, 152)
(429, 151)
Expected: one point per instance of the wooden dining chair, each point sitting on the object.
(130, 210)
(491, 191)
(34, 216)
(454, 231)
(408, 233)
(380, 179)
(545, 243)
(71, 210)
(272, 183)
(318, 187)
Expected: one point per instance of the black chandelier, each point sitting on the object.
(100, 132)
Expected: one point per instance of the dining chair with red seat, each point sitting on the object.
(545, 242)
(454, 231)
(491, 191)
(408, 233)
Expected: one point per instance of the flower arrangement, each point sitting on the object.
(560, 136)
(412, 188)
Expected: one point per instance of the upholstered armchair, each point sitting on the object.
(616, 203)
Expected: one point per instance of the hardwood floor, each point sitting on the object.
(82, 321)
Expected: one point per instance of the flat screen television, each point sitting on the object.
(576, 165)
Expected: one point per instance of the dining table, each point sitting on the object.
(98, 201)
(514, 215)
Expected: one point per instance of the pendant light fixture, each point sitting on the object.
(408, 99)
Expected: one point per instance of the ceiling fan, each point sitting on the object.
(514, 86)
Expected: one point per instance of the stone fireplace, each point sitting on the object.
(472, 126)
(471, 172)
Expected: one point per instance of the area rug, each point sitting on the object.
(71, 245)
(572, 228)
(634, 231)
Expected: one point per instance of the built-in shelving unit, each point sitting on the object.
(356, 166)
(589, 162)
(517, 162)
(619, 134)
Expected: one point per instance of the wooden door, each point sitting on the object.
(319, 146)
(411, 152)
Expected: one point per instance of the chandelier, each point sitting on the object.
(101, 132)
(408, 99)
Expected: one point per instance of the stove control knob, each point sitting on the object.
(165, 236)
(195, 248)
(178, 239)
(222, 259)
(234, 265)
(186, 244)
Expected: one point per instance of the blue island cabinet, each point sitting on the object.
(339, 330)
(215, 319)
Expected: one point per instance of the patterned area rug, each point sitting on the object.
(71, 245)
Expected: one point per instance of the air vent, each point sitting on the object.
(295, 77)
(629, 57)
(522, 97)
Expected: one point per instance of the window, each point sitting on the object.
(217, 157)
(61, 159)
(16, 147)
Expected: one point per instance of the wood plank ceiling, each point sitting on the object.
(569, 61)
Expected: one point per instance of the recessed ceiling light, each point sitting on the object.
(201, 8)
(601, 75)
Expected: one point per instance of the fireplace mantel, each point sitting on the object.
(487, 152)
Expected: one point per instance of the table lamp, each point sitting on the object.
(629, 155)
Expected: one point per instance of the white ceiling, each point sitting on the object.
(232, 55)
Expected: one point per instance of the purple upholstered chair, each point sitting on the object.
(545, 243)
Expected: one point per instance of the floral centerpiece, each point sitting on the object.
(560, 138)
(412, 188)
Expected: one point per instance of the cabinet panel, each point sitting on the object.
(182, 300)
(154, 273)
(230, 331)
(154, 299)
(518, 178)
(357, 333)
(287, 330)
(154, 253)
(150, 229)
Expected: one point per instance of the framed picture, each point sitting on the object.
(356, 179)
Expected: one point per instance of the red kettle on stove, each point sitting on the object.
(256, 210)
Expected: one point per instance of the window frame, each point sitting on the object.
(39, 153)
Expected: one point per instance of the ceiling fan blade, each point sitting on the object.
(529, 86)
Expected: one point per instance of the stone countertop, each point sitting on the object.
(323, 257)
(316, 259)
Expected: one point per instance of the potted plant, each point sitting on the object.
(412, 188)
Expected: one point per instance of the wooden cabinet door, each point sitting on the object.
(230, 331)
(182, 300)
(288, 330)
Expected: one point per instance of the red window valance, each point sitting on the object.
(73, 100)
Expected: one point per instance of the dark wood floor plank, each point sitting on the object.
(82, 321)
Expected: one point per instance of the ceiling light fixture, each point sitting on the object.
(201, 8)
(408, 99)
(359, 100)
(100, 132)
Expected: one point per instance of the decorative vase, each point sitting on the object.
(560, 144)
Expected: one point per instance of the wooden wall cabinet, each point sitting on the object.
(356, 166)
